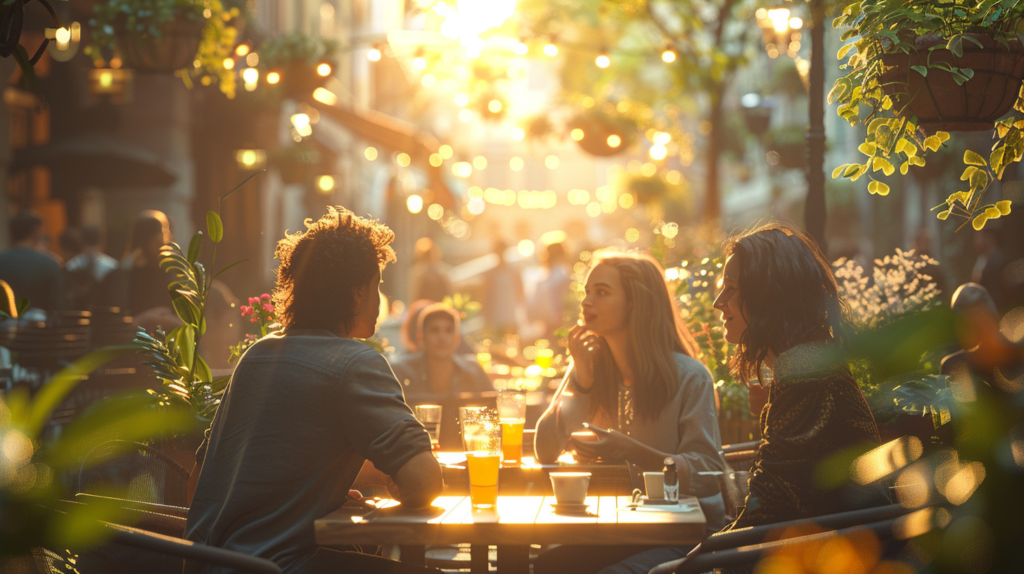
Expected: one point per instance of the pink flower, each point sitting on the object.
(265, 297)
(254, 300)
(246, 310)
(268, 308)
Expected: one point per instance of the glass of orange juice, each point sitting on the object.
(481, 437)
(512, 416)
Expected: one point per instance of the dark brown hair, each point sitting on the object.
(323, 266)
(789, 295)
(656, 331)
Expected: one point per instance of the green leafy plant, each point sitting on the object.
(881, 29)
(186, 376)
(30, 468)
(296, 47)
(148, 21)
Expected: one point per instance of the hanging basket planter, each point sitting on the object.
(172, 48)
(938, 101)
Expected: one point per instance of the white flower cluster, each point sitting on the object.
(896, 286)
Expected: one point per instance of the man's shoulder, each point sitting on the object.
(318, 352)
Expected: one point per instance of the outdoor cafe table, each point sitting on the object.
(519, 522)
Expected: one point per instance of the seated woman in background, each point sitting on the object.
(635, 372)
(436, 374)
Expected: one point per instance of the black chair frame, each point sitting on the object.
(135, 538)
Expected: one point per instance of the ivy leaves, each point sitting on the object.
(967, 204)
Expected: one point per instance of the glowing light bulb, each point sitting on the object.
(576, 134)
(325, 183)
(63, 35)
(551, 50)
(322, 95)
(517, 134)
(419, 63)
(403, 160)
(250, 75)
(658, 152)
(414, 204)
(242, 49)
(494, 106)
(796, 23)
(370, 153)
(229, 64)
(603, 61)
(323, 70)
(273, 78)
(668, 56)
(373, 55)
(445, 151)
(520, 49)
(614, 141)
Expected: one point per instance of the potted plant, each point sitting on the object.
(168, 36)
(295, 162)
(298, 60)
(929, 67)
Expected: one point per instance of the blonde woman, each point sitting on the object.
(636, 379)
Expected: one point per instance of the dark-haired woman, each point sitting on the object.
(781, 306)
(635, 375)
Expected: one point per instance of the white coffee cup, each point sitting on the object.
(654, 482)
(570, 487)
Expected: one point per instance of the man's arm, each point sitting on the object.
(419, 481)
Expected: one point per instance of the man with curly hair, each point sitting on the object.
(305, 409)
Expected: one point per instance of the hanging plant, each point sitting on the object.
(298, 61)
(931, 67)
(190, 39)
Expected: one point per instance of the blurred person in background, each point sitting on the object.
(28, 267)
(437, 374)
(990, 267)
(70, 244)
(503, 294)
(86, 271)
(548, 301)
(637, 381)
(139, 285)
(429, 277)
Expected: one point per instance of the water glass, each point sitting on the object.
(430, 417)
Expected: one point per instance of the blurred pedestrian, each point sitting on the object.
(548, 302)
(84, 272)
(429, 277)
(69, 244)
(990, 267)
(503, 293)
(28, 266)
(139, 285)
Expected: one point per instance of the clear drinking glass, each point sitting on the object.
(512, 416)
(481, 436)
(430, 417)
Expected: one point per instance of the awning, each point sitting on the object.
(398, 136)
(98, 160)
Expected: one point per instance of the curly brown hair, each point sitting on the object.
(322, 268)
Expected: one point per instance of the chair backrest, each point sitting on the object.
(141, 472)
(191, 551)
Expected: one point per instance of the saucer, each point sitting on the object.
(569, 508)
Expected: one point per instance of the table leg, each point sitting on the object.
(478, 559)
(416, 555)
(513, 560)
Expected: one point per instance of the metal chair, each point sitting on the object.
(746, 546)
(188, 550)
(144, 473)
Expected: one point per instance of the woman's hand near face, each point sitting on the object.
(583, 345)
